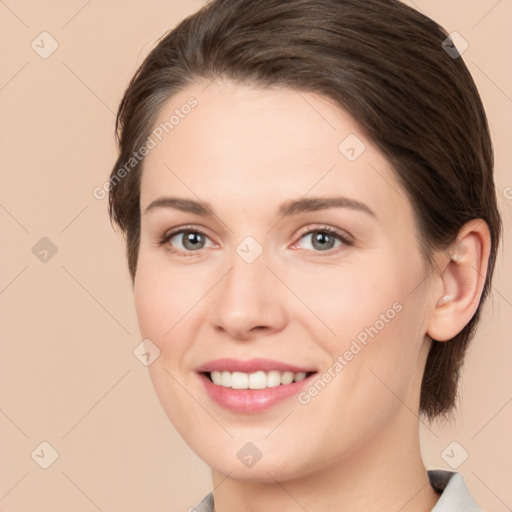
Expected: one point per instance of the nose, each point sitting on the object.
(249, 301)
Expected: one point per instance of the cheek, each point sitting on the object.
(163, 293)
(151, 304)
(172, 304)
(350, 300)
(375, 323)
(161, 301)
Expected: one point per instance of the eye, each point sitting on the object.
(190, 240)
(323, 239)
(185, 240)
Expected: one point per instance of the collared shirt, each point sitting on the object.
(455, 496)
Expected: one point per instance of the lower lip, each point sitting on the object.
(251, 400)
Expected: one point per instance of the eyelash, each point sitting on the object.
(346, 241)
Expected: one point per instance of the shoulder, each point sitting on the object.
(455, 496)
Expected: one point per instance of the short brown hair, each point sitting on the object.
(380, 61)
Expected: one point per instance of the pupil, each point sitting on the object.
(192, 240)
(325, 240)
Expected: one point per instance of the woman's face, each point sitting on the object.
(258, 292)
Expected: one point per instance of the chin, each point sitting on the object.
(267, 469)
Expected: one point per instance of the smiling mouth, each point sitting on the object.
(255, 380)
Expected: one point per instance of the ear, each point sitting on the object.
(461, 278)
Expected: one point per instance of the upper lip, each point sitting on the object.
(250, 366)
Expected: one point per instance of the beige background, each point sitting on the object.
(68, 375)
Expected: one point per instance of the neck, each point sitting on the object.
(386, 475)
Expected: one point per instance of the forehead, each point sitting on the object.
(247, 144)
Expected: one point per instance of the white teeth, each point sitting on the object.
(239, 380)
(256, 380)
(299, 376)
(273, 379)
(226, 379)
(287, 378)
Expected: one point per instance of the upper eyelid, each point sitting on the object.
(303, 231)
(324, 227)
(181, 229)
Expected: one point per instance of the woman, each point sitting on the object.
(307, 196)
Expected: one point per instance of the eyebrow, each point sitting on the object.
(286, 209)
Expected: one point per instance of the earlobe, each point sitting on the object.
(462, 273)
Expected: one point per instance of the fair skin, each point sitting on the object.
(355, 445)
